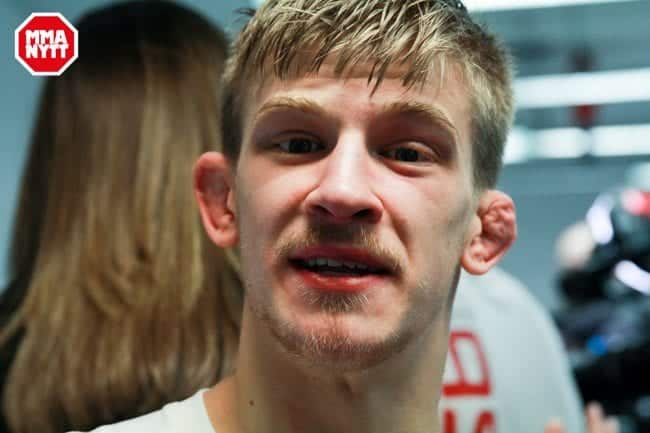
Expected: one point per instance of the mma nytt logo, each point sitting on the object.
(46, 43)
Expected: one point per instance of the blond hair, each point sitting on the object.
(126, 305)
(294, 37)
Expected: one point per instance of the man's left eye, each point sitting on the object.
(300, 145)
(407, 154)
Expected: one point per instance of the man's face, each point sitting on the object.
(353, 209)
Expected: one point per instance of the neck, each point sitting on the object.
(273, 391)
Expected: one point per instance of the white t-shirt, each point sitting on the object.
(187, 416)
(507, 370)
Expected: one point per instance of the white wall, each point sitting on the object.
(19, 90)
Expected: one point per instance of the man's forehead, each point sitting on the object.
(372, 69)
(443, 97)
(426, 93)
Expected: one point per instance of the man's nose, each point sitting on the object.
(345, 192)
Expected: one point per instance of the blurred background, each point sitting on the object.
(583, 122)
(583, 92)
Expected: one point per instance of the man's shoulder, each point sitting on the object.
(189, 415)
(500, 291)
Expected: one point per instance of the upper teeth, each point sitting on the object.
(335, 263)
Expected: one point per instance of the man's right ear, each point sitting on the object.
(213, 189)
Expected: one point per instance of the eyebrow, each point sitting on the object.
(304, 105)
(430, 113)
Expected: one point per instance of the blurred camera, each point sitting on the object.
(606, 282)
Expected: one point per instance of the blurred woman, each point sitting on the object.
(118, 302)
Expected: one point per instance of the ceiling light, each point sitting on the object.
(495, 5)
(584, 88)
(601, 141)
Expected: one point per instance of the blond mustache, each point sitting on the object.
(351, 235)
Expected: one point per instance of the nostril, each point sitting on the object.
(321, 210)
(326, 214)
(338, 208)
(363, 214)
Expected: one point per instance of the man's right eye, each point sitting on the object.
(300, 145)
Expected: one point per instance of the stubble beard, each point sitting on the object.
(332, 347)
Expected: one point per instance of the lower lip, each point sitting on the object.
(343, 283)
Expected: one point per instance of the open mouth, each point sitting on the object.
(335, 267)
(339, 269)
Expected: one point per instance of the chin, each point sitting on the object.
(339, 331)
(342, 341)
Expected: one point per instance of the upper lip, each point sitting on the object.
(341, 253)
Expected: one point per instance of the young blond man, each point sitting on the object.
(362, 143)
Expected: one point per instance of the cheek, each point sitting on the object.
(256, 191)
(270, 198)
(426, 205)
(430, 217)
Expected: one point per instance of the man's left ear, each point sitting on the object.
(492, 231)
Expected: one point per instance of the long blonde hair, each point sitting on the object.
(126, 304)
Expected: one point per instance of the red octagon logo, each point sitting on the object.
(46, 44)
